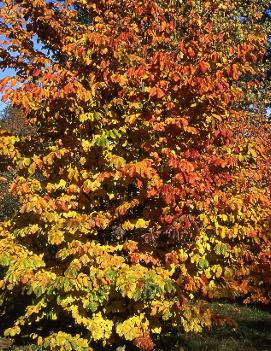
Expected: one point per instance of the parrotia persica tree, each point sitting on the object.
(146, 188)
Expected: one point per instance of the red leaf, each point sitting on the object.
(204, 66)
(24, 280)
(5, 98)
(139, 183)
(215, 56)
(36, 72)
(175, 77)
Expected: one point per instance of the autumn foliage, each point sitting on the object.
(145, 189)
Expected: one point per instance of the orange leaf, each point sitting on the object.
(152, 92)
(191, 53)
(160, 93)
(204, 66)
(163, 25)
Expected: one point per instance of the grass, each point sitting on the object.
(252, 333)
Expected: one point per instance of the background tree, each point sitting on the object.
(146, 188)
(13, 122)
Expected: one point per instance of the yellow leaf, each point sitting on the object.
(127, 225)
(224, 217)
(183, 255)
(219, 118)
(156, 330)
(86, 145)
(219, 271)
(141, 223)
(12, 331)
(223, 232)
(39, 341)
(62, 184)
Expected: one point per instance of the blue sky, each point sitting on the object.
(3, 74)
(10, 72)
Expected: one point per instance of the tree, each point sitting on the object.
(146, 188)
(13, 122)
